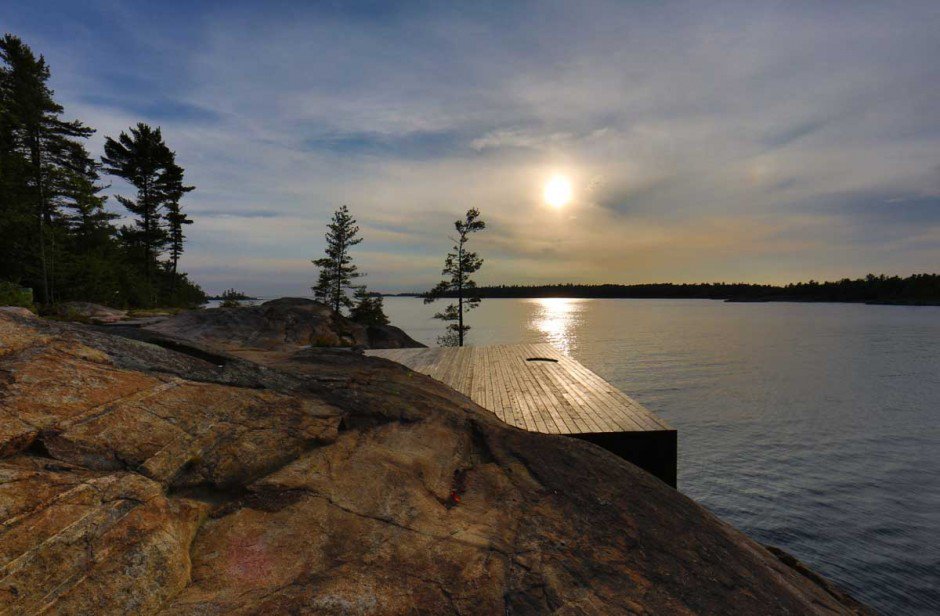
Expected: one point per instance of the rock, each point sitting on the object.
(89, 312)
(136, 321)
(178, 432)
(281, 324)
(18, 310)
(390, 337)
(79, 542)
(138, 480)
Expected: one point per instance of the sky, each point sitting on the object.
(704, 141)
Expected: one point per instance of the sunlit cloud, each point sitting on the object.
(760, 141)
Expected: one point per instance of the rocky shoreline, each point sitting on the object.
(231, 465)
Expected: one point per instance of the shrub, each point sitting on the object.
(15, 295)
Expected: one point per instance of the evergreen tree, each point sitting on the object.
(85, 215)
(56, 237)
(369, 308)
(175, 217)
(337, 272)
(144, 160)
(89, 260)
(458, 266)
(42, 159)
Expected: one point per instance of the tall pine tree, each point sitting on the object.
(42, 161)
(337, 271)
(144, 160)
(175, 217)
(55, 234)
(459, 264)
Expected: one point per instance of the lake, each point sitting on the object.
(812, 427)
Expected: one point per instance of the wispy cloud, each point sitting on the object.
(752, 141)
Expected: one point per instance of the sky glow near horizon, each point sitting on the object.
(753, 141)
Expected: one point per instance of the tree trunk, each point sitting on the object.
(37, 167)
(42, 257)
(146, 207)
(460, 295)
(339, 276)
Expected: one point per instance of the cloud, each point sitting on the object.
(748, 141)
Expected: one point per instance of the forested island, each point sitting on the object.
(918, 289)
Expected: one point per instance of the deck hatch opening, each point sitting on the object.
(548, 359)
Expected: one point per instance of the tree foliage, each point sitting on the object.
(369, 308)
(56, 235)
(45, 167)
(337, 272)
(143, 159)
(459, 264)
(232, 298)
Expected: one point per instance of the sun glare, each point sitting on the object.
(558, 191)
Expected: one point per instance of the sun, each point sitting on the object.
(558, 191)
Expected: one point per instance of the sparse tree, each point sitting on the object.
(459, 264)
(368, 309)
(337, 271)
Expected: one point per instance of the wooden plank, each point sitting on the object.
(538, 404)
(564, 416)
(597, 394)
(499, 396)
(605, 399)
(621, 404)
(558, 397)
(553, 376)
(509, 394)
(533, 419)
(592, 421)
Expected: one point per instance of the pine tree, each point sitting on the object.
(458, 266)
(337, 272)
(55, 234)
(175, 217)
(89, 263)
(369, 308)
(41, 156)
(144, 160)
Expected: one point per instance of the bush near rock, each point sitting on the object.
(15, 295)
(139, 480)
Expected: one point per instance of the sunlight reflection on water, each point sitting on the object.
(557, 318)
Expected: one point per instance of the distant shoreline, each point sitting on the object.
(915, 290)
(716, 299)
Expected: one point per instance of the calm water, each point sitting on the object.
(813, 427)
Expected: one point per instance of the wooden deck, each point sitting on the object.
(537, 388)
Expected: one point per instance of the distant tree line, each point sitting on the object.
(231, 294)
(231, 298)
(56, 236)
(915, 289)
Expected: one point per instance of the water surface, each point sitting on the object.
(813, 427)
